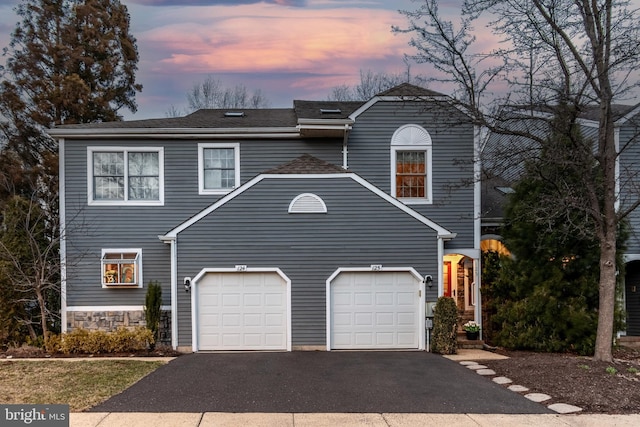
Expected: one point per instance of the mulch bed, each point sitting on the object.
(596, 387)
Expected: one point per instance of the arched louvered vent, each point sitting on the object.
(307, 203)
(411, 135)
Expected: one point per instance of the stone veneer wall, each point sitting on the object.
(112, 320)
(104, 320)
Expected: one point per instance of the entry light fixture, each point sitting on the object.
(428, 280)
(187, 284)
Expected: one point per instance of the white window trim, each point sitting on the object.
(201, 147)
(139, 266)
(412, 138)
(125, 150)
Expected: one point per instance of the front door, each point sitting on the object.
(632, 297)
(446, 279)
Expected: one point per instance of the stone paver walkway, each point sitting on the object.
(466, 358)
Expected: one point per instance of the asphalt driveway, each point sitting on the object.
(377, 382)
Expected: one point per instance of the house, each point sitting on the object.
(329, 225)
(503, 169)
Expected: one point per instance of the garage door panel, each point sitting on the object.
(254, 300)
(342, 298)
(231, 300)
(274, 300)
(385, 339)
(230, 319)
(251, 320)
(363, 319)
(384, 298)
(362, 298)
(384, 319)
(364, 339)
(342, 319)
(406, 298)
(275, 340)
(406, 338)
(274, 319)
(375, 310)
(242, 311)
(408, 319)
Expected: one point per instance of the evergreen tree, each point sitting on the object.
(69, 61)
(547, 294)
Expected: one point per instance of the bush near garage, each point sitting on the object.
(445, 322)
(83, 341)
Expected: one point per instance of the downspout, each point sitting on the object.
(63, 239)
(480, 135)
(345, 150)
(440, 266)
(174, 289)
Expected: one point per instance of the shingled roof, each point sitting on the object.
(306, 164)
(407, 89)
(325, 109)
(277, 119)
(208, 118)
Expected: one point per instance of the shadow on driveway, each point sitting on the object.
(321, 381)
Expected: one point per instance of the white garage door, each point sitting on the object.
(242, 311)
(375, 310)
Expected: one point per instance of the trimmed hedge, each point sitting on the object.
(83, 341)
(445, 322)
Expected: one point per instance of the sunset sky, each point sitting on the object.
(290, 49)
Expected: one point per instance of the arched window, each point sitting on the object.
(411, 173)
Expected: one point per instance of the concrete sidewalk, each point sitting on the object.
(220, 419)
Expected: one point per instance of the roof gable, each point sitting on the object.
(325, 173)
(306, 164)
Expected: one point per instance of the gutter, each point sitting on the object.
(175, 133)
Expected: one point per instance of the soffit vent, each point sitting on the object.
(330, 111)
(234, 114)
(307, 203)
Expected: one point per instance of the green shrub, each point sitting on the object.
(153, 302)
(445, 321)
(122, 340)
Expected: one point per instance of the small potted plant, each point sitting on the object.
(472, 330)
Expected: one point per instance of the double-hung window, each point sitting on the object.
(411, 173)
(218, 167)
(121, 268)
(125, 176)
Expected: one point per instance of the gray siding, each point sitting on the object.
(254, 229)
(92, 228)
(452, 144)
(630, 182)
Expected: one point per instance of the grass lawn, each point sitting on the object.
(81, 384)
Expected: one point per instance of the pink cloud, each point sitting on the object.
(272, 39)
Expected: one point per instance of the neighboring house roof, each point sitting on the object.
(306, 164)
(592, 113)
(494, 194)
(407, 89)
